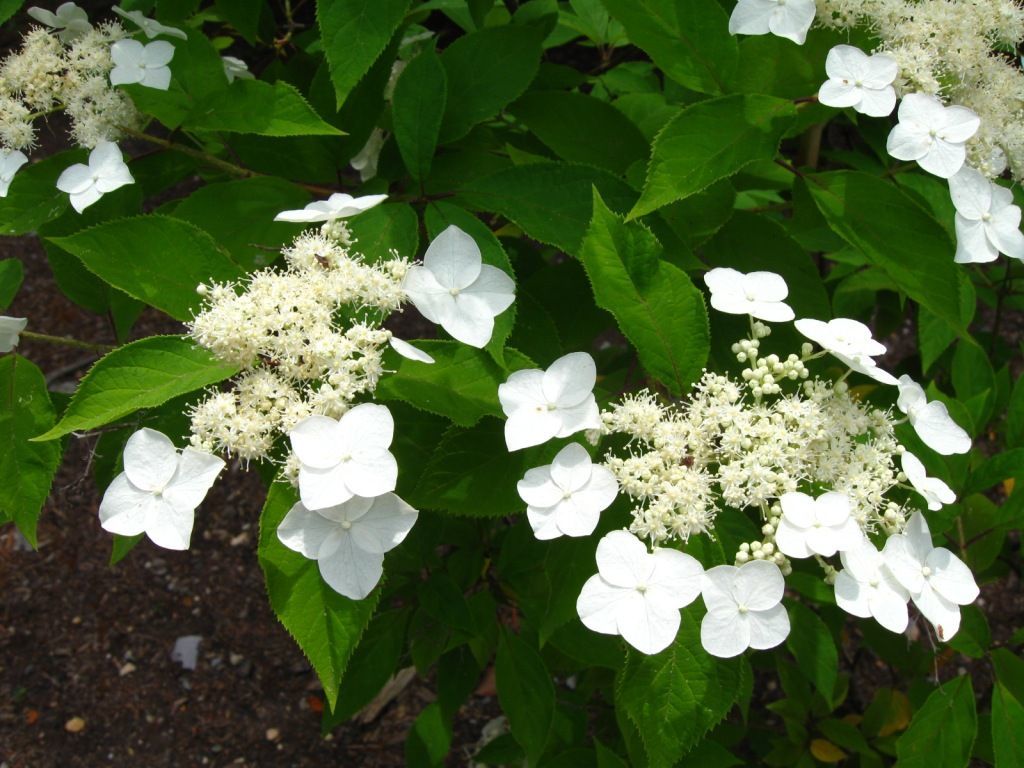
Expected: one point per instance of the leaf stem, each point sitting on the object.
(66, 341)
(205, 157)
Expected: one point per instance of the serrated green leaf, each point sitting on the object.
(143, 374)
(709, 141)
(1008, 709)
(326, 625)
(387, 227)
(525, 692)
(417, 108)
(265, 109)
(655, 304)
(27, 468)
(33, 197)
(812, 646)
(942, 732)
(8, 8)
(156, 259)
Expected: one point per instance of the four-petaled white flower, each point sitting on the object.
(235, 69)
(557, 402)
(758, 294)
(931, 421)
(850, 342)
(349, 540)
(935, 492)
(405, 349)
(821, 526)
(338, 206)
(867, 589)
(142, 64)
(151, 27)
(456, 290)
(10, 162)
(70, 21)
(567, 496)
(937, 580)
(786, 18)
(932, 134)
(744, 608)
(987, 221)
(105, 172)
(159, 490)
(859, 81)
(637, 594)
(347, 457)
(10, 328)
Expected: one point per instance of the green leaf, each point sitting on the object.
(242, 16)
(429, 739)
(611, 140)
(326, 625)
(812, 645)
(387, 227)
(655, 304)
(27, 468)
(143, 374)
(417, 108)
(525, 692)
(265, 109)
(689, 41)
(461, 385)
(674, 697)
(551, 202)
(33, 197)
(711, 140)
(353, 34)
(239, 215)
(8, 8)
(994, 470)
(122, 546)
(943, 730)
(894, 234)
(486, 70)
(1008, 709)
(11, 275)
(156, 259)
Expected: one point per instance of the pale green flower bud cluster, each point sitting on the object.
(308, 339)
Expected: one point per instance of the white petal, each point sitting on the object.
(971, 193)
(725, 633)
(583, 416)
(759, 585)
(772, 311)
(877, 102)
(574, 517)
(903, 562)
(321, 488)
(768, 628)
(343, 206)
(304, 530)
(832, 508)
(524, 389)
(836, 93)
(938, 431)
(169, 526)
(75, 179)
(950, 577)
(453, 258)
(571, 468)
(150, 459)
(317, 442)
(717, 588)
(798, 508)
(944, 158)
(1004, 232)
(114, 178)
(158, 53)
(46, 17)
(676, 580)
(370, 473)
(197, 470)
(368, 426)
(127, 53)
(853, 596)
(493, 288)
(157, 77)
(942, 613)
(792, 20)
(908, 142)
(469, 321)
(432, 299)
(791, 540)
(599, 604)
(385, 525)
(527, 427)
(407, 350)
(123, 508)
(82, 200)
(570, 379)
(724, 280)
(646, 625)
(958, 124)
(537, 489)
(544, 522)
(306, 215)
(889, 609)
(600, 491)
(846, 62)
(623, 560)
(750, 17)
(350, 571)
(881, 72)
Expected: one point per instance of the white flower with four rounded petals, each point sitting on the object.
(931, 420)
(758, 294)
(987, 222)
(456, 290)
(932, 134)
(821, 526)
(744, 608)
(159, 490)
(786, 18)
(937, 580)
(349, 540)
(10, 161)
(557, 402)
(142, 64)
(150, 27)
(638, 594)
(70, 21)
(859, 81)
(105, 172)
(10, 328)
(566, 497)
(338, 206)
(935, 492)
(346, 457)
(867, 589)
(850, 342)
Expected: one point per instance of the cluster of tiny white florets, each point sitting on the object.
(46, 75)
(743, 444)
(951, 49)
(308, 339)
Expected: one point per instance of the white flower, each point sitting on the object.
(150, 27)
(859, 81)
(235, 69)
(10, 162)
(820, 526)
(744, 608)
(365, 161)
(159, 490)
(456, 290)
(786, 18)
(758, 294)
(142, 64)
(105, 172)
(935, 492)
(567, 496)
(557, 402)
(71, 21)
(937, 580)
(405, 349)
(337, 206)
(931, 421)
(637, 594)
(866, 588)
(10, 327)
(932, 134)
(349, 540)
(850, 342)
(987, 221)
(347, 457)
